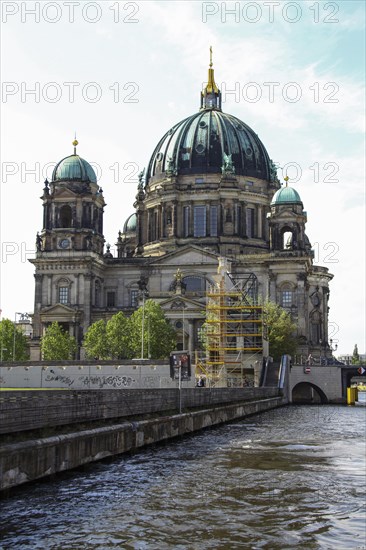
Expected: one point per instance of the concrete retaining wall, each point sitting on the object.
(34, 409)
(30, 460)
(90, 375)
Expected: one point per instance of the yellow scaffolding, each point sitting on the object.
(233, 334)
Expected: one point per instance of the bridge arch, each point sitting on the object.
(306, 392)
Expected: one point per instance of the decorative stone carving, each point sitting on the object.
(228, 168)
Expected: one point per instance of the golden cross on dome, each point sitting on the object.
(286, 178)
(75, 143)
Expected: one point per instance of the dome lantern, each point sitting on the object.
(211, 95)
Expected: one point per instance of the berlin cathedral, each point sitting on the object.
(209, 203)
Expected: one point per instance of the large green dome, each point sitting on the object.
(286, 195)
(130, 224)
(198, 144)
(74, 168)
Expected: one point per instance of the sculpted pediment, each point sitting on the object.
(288, 215)
(179, 303)
(64, 193)
(60, 312)
(187, 257)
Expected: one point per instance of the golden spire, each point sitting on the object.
(210, 95)
(211, 85)
(286, 178)
(75, 143)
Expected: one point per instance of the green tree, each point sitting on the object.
(57, 344)
(118, 336)
(159, 335)
(95, 341)
(7, 342)
(280, 330)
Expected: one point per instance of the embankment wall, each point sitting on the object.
(25, 410)
(37, 458)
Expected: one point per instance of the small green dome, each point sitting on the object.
(74, 168)
(286, 195)
(130, 224)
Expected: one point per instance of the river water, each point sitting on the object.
(289, 478)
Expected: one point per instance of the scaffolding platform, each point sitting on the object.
(234, 335)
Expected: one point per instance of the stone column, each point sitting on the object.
(176, 232)
(301, 300)
(191, 338)
(191, 220)
(77, 289)
(272, 287)
(259, 222)
(87, 300)
(163, 221)
(160, 223)
(49, 290)
(37, 305)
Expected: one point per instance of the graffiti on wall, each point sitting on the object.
(98, 381)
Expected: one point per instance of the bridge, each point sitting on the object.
(304, 383)
(320, 383)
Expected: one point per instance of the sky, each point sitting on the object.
(120, 74)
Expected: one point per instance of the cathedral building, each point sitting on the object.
(209, 202)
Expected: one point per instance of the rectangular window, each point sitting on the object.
(97, 295)
(134, 298)
(185, 221)
(199, 221)
(237, 219)
(287, 298)
(250, 222)
(199, 180)
(63, 294)
(213, 221)
(111, 299)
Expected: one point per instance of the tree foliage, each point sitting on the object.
(7, 342)
(159, 335)
(118, 336)
(280, 330)
(121, 337)
(95, 341)
(57, 344)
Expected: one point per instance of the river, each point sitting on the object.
(290, 478)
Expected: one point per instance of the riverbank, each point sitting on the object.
(32, 459)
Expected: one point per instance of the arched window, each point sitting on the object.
(65, 216)
(287, 296)
(63, 289)
(287, 240)
(195, 283)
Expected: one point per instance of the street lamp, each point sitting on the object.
(324, 344)
(23, 317)
(183, 308)
(331, 345)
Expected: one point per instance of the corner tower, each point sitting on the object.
(73, 207)
(69, 250)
